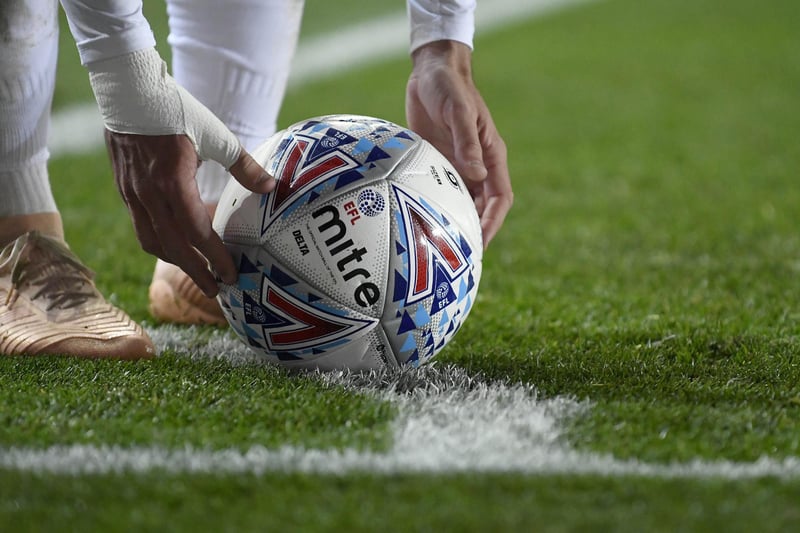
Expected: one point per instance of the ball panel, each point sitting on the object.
(282, 317)
(337, 249)
(237, 219)
(433, 277)
(366, 353)
(429, 173)
(329, 155)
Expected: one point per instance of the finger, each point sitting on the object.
(467, 149)
(189, 208)
(251, 175)
(173, 228)
(139, 217)
(479, 199)
(143, 226)
(494, 214)
(194, 265)
(498, 194)
(182, 254)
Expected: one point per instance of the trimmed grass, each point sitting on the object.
(649, 266)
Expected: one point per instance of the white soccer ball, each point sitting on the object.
(366, 255)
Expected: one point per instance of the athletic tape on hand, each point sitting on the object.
(137, 95)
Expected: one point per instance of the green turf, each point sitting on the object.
(175, 401)
(649, 266)
(403, 503)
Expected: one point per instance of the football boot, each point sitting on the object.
(175, 298)
(49, 305)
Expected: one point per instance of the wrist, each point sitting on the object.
(454, 55)
(136, 95)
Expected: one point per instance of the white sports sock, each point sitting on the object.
(27, 79)
(235, 58)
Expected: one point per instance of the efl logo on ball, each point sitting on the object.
(366, 255)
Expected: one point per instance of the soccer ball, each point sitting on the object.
(366, 255)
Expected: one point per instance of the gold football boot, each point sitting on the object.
(49, 305)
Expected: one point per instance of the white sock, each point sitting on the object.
(235, 58)
(27, 79)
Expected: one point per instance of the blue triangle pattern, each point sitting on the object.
(444, 318)
(309, 124)
(400, 287)
(409, 344)
(363, 146)
(406, 324)
(393, 143)
(347, 178)
(429, 341)
(465, 247)
(421, 317)
(247, 283)
(468, 304)
(463, 291)
(246, 266)
(280, 277)
(376, 154)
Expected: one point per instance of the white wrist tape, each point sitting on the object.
(137, 95)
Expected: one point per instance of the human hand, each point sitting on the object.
(445, 108)
(156, 177)
(156, 134)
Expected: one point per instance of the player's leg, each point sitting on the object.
(235, 57)
(27, 76)
(48, 301)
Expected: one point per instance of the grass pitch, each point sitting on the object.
(649, 268)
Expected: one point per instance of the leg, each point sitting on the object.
(27, 78)
(48, 301)
(235, 57)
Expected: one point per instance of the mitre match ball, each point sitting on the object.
(366, 255)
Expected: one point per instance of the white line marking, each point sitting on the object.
(79, 129)
(447, 422)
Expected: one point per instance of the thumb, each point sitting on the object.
(251, 175)
(216, 142)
